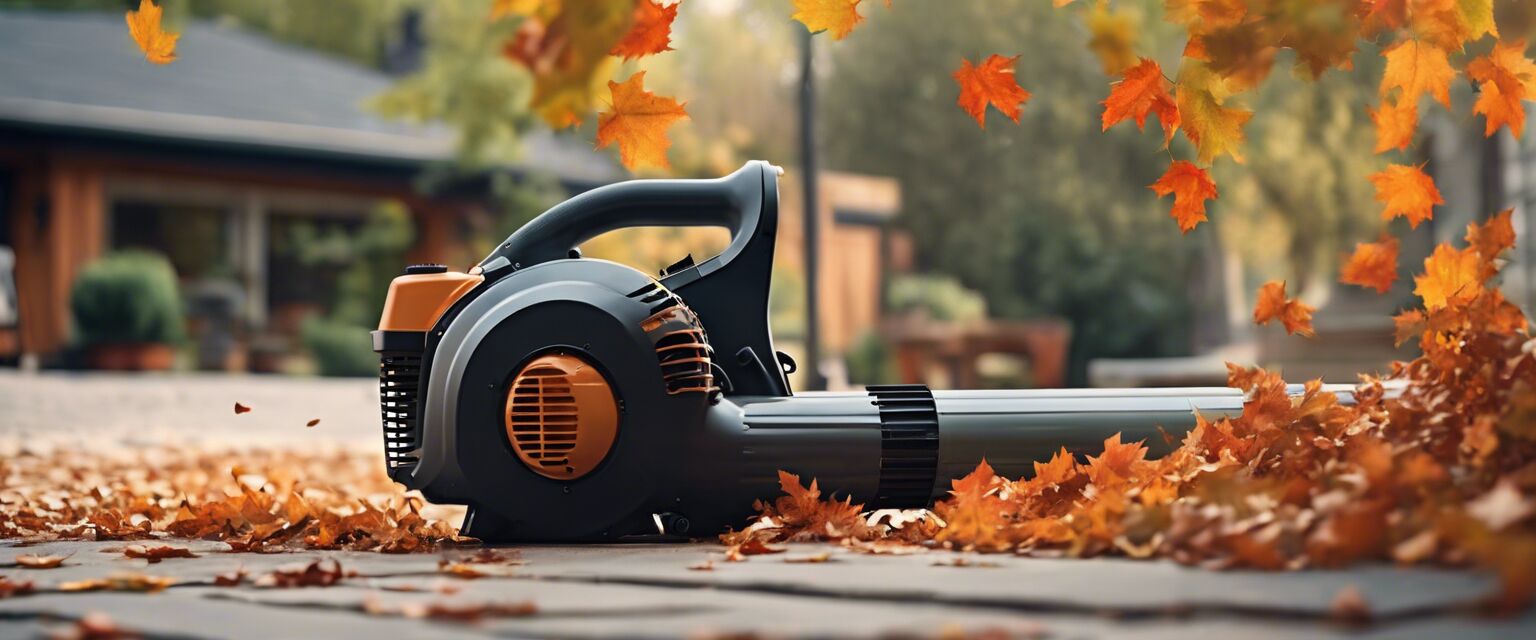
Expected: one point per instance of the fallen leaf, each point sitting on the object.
(32, 561)
(131, 582)
(990, 83)
(9, 587)
(158, 45)
(156, 553)
(230, 578)
(463, 570)
(751, 547)
(95, 626)
(651, 33)
(240, 408)
(1373, 265)
(453, 612)
(318, 573)
(638, 121)
(707, 565)
(312, 423)
(1350, 607)
(1407, 192)
(814, 558)
(1272, 304)
(1191, 186)
(965, 562)
(837, 17)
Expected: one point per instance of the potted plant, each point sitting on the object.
(127, 312)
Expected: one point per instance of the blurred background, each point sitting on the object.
(244, 208)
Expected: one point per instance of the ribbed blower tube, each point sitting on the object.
(899, 446)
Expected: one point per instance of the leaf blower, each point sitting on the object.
(565, 398)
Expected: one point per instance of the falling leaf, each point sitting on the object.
(1273, 304)
(1113, 39)
(230, 578)
(1501, 507)
(131, 582)
(1407, 192)
(991, 82)
(1395, 124)
(838, 17)
(1191, 186)
(240, 408)
(651, 33)
(31, 561)
(814, 558)
(1492, 237)
(158, 45)
(638, 121)
(156, 553)
(1506, 78)
(1373, 265)
(565, 46)
(1142, 91)
(1215, 129)
(312, 423)
(1452, 277)
(1415, 68)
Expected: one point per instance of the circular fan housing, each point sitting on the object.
(561, 416)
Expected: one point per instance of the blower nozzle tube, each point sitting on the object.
(899, 446)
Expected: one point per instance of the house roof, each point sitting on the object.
(80, 71)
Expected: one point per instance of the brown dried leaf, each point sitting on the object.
(156, 553)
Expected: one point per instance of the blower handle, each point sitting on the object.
(734, 202)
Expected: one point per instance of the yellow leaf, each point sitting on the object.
(638, 122)
(1215, 129)
(1113, 39)
(1478, 16)
(568, 55)
(1417, 68)
(838, 17)
(159, 46)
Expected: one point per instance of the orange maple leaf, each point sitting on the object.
(1061, 468)
(1215, 129)
(1395, 124)
(1408, 192)
(638, 122)
(1506, 78)
(1451, 277)
(1373, 265)
(652, 32)
(1143, 90)
(1272, 304)
(1191, 186)
(838, 17)
(1116, 464)
(159, 46)
(1494, 236)
(991, 82)
(1417, 68)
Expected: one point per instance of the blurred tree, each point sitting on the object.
(1047, 217)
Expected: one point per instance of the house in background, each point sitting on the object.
(212, 160)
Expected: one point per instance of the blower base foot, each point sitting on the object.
(486, 526)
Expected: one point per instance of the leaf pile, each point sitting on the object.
(300, 500)
(1436, 463)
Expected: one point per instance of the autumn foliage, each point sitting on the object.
(1433, 464)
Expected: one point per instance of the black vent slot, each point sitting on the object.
(399, 394)
(909, 445)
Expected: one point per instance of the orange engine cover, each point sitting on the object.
(561, 416)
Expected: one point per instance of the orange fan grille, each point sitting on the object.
(561, 416)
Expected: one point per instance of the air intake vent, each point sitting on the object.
(399, 390)
(561, 416)
(682, 348)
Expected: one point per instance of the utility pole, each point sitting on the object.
(810, 218)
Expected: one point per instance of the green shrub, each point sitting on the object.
(870, 361)
(941, 298)
(127, 297)
(339, 348)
